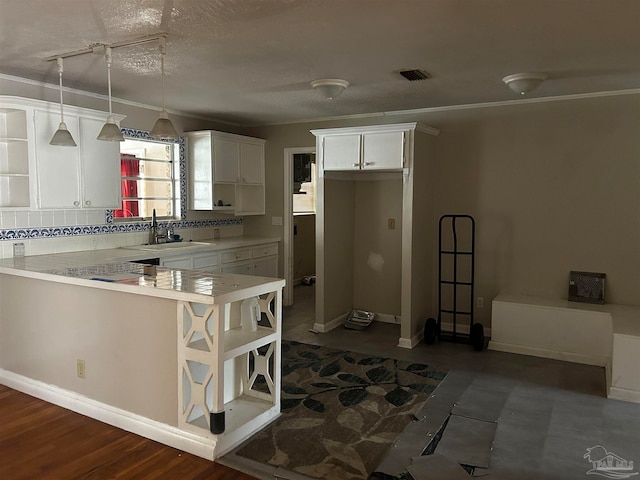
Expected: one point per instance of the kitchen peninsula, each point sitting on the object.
(162, 352)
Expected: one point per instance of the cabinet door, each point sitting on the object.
(341, 152)
(185, 263)
(58, 168)
(383, 151)
(251, 163)
(100, 162)
(226, 158)
(266, 267)
(200, 171)
(207, 262)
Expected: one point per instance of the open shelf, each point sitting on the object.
(14, 159)
(238, 341)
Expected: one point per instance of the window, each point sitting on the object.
(304, 183)
(149, 171)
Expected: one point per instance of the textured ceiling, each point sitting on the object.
(250, 62)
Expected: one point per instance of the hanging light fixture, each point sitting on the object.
(110, 131)
(62, 137)
(163, 127)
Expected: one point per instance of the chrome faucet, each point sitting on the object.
(155, 236)
(153, 233)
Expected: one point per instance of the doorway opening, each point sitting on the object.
(299, 218)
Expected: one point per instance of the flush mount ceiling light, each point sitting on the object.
(524, 83)
(62, 137)
(163, 128)
(330, 88)
(110, 131)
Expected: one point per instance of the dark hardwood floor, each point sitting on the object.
(39, 440)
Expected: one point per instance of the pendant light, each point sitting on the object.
(62, 137)
(163, 127)
(110, 131)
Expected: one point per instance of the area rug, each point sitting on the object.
(340, 411)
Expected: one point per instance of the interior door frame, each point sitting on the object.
(287, 296)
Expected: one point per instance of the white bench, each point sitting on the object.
(604, 335)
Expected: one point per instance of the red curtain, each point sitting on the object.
(129, 167)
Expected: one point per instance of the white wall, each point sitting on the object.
(377, 249)
(131, 365)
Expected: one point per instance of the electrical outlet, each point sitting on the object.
(81, 368)
(391, 224)
(480, 302)
(18, 249)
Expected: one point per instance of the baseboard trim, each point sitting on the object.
(330, 325)
(544, 353)
(624, 394)
(117, 417)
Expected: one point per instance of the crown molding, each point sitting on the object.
(122, 101)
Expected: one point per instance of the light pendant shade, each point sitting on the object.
(62, 137)
(524, 83)
(163, 128)
(110, 131)
(330, 88)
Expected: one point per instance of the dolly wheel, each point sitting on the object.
(430, 329)
(477, 337)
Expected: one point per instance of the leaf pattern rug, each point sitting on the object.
(340, 411)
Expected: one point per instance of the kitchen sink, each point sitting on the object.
(166, 246)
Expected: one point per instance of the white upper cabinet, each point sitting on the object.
(100, 163)
(383, 151)
(226, 172)
(251, 163)
(226, 160)
(380, 147)
(341, 152)
(58, 167)
(34, 174)
(86, 176)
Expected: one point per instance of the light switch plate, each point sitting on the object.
(276, 220)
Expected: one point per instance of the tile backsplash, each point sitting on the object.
(70, 230)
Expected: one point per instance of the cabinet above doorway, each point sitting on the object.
(372, 148)
(226, 172)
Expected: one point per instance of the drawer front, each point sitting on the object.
(243, 268)
(236, 255)
(205, 261)
(265, 251)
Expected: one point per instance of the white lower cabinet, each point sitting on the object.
(184, 261)
(265, 260)
(260, 260)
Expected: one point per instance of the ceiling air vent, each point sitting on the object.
(414, 74)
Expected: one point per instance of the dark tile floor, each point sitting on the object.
(550, 411)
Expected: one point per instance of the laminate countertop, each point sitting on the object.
(112, 269)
